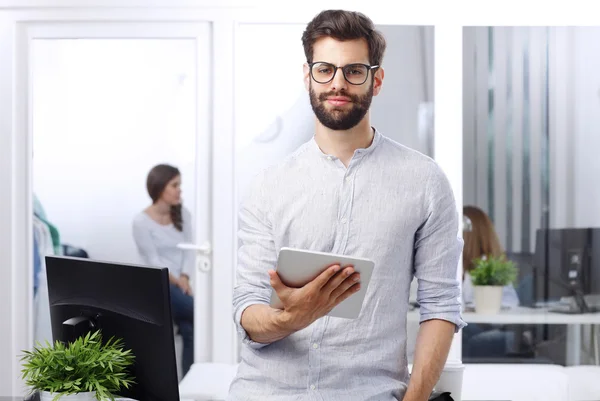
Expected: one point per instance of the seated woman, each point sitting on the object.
(157, 230)
(481, 240)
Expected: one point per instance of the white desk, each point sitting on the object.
(522, 315)
(207, 381)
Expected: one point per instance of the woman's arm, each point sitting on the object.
(147, 248)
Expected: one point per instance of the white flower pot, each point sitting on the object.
(488, 298)
(87, 396)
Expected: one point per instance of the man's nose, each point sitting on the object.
(338, 81)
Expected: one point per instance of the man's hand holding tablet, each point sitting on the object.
(302, 306)
(309, 284)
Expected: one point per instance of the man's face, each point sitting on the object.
(338, 104)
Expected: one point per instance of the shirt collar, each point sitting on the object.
(358, 153)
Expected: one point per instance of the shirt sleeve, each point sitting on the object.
(256, 255)
(437, 254)
(145, 246)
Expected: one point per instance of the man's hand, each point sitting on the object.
(302, 306)
(184, 284)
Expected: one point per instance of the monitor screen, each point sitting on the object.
(125, 301)
(566, 259)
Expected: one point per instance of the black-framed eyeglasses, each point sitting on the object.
(355, 74)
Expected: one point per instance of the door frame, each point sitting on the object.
(201, 34)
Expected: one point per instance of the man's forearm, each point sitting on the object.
(431, 351)
(265, 324)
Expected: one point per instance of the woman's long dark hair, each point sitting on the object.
(481, 240)
(157, 181)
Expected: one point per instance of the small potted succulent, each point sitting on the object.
(489, 276)
(84, 370)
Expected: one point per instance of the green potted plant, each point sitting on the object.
(84, 370)
(489, 276)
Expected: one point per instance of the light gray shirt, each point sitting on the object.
(392, 205)
(157, 243)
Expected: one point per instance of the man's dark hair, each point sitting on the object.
(344, 25)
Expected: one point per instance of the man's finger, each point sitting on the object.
(324, 277)
(347, 283)
(338, 279)
(352, 290)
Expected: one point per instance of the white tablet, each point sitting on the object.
(297, 267)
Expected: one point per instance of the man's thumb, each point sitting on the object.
(276, 281)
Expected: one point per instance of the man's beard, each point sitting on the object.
(339, 119)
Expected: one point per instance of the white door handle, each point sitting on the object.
(203, 263)
(204, 249)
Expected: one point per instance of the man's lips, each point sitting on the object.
(338, 100)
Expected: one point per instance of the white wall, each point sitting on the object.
(7, 207)
(408, 83)
(104, 112)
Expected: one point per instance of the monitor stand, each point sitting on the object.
(581, 308)
(76, 327)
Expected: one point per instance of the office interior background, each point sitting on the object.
(107, 102)
(187, 94)
(530, 134)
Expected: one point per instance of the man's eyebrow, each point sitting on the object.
(350, 63)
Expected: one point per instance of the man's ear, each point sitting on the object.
(378, 81)
(306, 70)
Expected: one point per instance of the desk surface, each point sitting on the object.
(22, 398)
(522, 315)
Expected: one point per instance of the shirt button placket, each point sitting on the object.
(314, 357)
(345, 203)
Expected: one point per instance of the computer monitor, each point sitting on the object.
(568, 264)
(125, 301)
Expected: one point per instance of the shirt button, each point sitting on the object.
(329, 158)
(315, 345)
(312, 387)
(343, 220)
